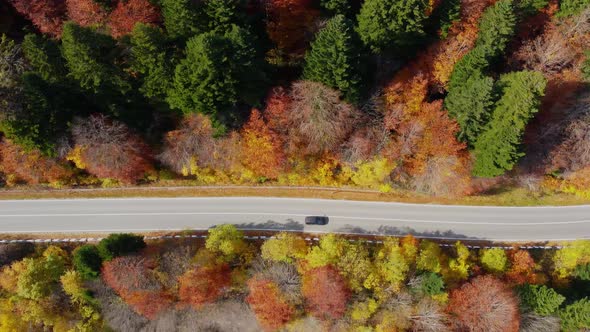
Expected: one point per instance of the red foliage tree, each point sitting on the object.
(484, 304)
(267, 302)
(31, 167)
(86, 12)
(325, 292)
(110, 150)
(288, 24)
(47, 15)
(129, 12)
(276, 112)
(137, 283)
(261, 148)
(203, 284)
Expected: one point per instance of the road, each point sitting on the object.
(145, 214)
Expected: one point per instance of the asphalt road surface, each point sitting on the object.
(437, 221)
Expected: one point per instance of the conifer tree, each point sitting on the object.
(335, 58)
(391, 24)
(498, 148)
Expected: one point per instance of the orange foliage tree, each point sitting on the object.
(47, 15)
(203, 285)
(134, 278)
(269, 305)
(484, 304)
(86, 12)
(261, 149)
(127, 13)
(522, 268)
(288, 23)
(31, 167)
(325, 292)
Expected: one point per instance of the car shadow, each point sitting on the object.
(290, 225)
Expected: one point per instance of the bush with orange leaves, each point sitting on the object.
(127, 13)
(31, 167)
(261, 148)
(204, 284)
(135, 280)
(484, 304)
(325, 292)
(269, 305)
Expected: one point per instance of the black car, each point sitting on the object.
(316, 220)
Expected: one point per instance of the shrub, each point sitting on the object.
(119, 244)
(87, 261)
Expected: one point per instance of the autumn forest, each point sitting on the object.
(439, 97)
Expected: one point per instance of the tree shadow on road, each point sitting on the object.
(401, 231)
(290, 225)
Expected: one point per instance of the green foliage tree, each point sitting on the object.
(222, 14)
(226, 240)
(498, 148)
(429, 283)
(90, 58)
(338, 7)
(285, 247)
(335, 58)
(41, 274)
(183, 18)
(576, 316)
(44, 56)
(494, 260)
(150, 59)
(116, 245)
(572, 7)
(540, 299)
(471, 95)
(87, 261)
(586, 66)
(391, 24)
(429, 258)
(219, 71)
(582, 272)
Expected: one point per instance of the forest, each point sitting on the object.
(287, 282)
(440, 97)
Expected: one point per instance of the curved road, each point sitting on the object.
(143, 214)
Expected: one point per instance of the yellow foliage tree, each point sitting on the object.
(285, 247)
(570, 256)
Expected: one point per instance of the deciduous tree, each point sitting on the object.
(47, 15)
(128, 13)
(262, 151)
(494, 260)
(325, 292)
(286, 247)
(270, 307)
(203, 285)
(86, 13)
(484, 304)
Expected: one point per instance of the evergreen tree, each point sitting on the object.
(183, 18)
(540, 299)
(576, 316)
(498, 148)
(149, 58)
(496, 29)
(219, 71)
(572, 7)
(44, 57)
(391, 24)
(221, 14)
(90, 58)
(335, 58)
(471, 105)
(336, 6)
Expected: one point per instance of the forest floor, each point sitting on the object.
(503, 197)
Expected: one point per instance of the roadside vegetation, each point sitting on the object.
(445, 98)
(287, 283)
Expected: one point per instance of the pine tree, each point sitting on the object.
(90, 59)
(45, 57)
(150, 59)
(391, 24)
(183, 18)
(498, 148)
(496, 29)
(335, 58)
(219, 71)
(341, 7)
